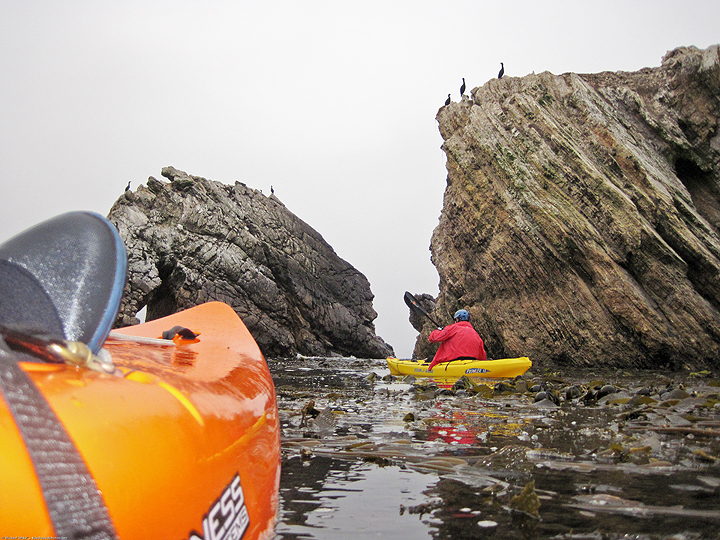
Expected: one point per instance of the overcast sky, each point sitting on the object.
(333, 103)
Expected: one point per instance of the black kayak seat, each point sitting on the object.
(64, 277)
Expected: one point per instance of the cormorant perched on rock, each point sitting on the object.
(462, 88)
(502, 70)
(127, 188)
(272, 191)
(447, 101)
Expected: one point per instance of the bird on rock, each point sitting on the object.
(127, 188)
(462, 88)
(447, 101)
(502, 70)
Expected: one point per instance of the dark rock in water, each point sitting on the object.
(549, 395)
(194, 240)
(463, 383)
(581, 218)
(606, 390)
(573, 392)
(590, 397)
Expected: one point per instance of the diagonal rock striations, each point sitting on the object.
(192, 240)
(581, 217)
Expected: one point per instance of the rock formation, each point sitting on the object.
(193, 240)
(581, 219)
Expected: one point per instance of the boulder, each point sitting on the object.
(191, 240)
(581, 218)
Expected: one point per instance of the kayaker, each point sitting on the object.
(458, 341)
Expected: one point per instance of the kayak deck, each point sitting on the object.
(184, 439)
(506, 367)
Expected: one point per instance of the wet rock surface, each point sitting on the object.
(581, 216)
(192, 240)
(601, 455)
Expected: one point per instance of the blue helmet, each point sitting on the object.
(462, 315)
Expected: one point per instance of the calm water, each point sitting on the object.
(369, 456)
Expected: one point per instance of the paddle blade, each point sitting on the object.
(411, 301)
(415, 306)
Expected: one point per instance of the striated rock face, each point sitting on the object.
(581, 217)
(193, 240)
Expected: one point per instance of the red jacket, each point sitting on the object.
(457, 340)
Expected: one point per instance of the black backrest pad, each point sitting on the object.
(24, 304)
(80, 262)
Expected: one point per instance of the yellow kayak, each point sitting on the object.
(492, 369)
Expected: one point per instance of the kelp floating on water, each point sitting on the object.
(645, 438)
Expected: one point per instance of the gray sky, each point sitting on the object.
(332, 103)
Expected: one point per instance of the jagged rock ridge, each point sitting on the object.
(581, 216)
(193, 240)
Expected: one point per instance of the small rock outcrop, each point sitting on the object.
(193, 240)
(581, 218)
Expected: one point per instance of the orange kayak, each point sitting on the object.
(183, 441)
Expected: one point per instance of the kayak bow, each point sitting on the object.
(183, 441)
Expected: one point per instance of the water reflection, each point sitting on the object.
(379, 457)
(325, 498)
